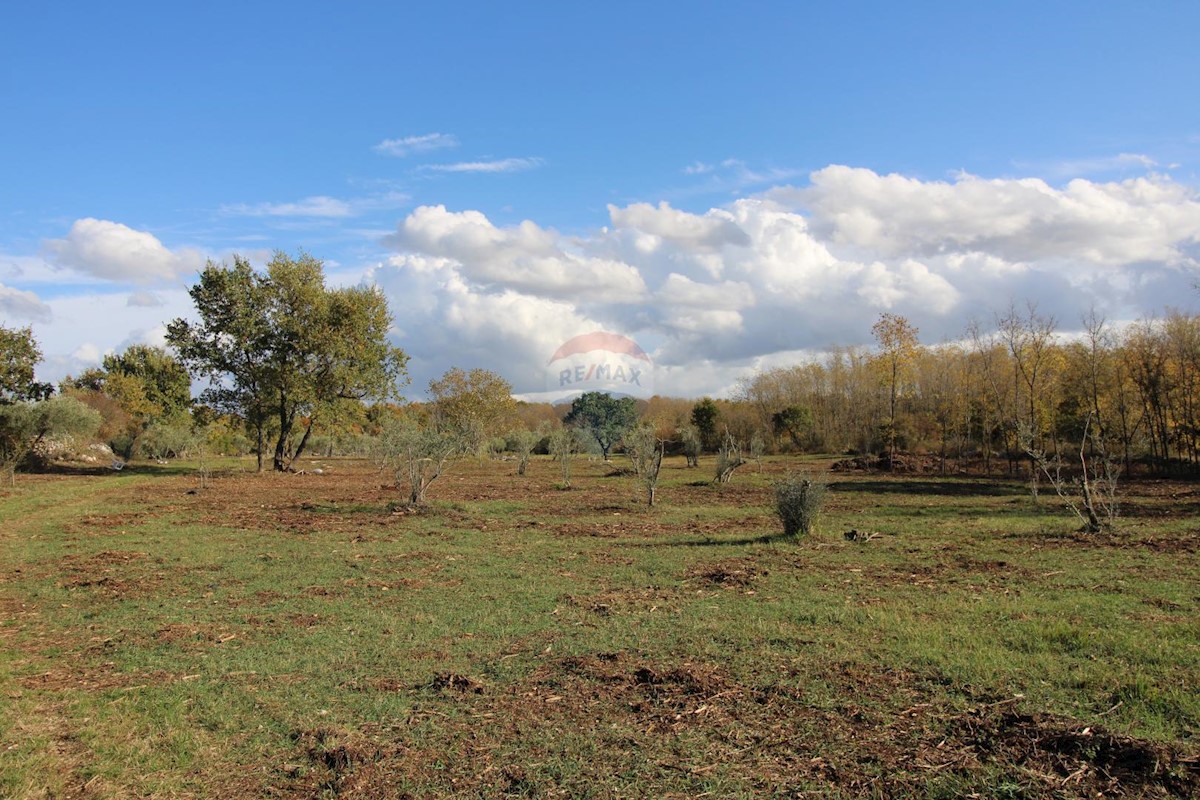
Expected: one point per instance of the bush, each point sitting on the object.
(798, 502)
(165, 439)
(26, 428)
(224, 438)
(729, 458)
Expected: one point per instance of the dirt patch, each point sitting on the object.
(92, 524)
(1089, 760)
(665, 698)
(322, 591)
(98, 678)
(576, 530)
(449, 681)
(1127, 538)
(114, 574)
(730, 573)
(326, 758)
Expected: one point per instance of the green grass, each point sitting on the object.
(230, 641)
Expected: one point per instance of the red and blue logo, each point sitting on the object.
(601, 362)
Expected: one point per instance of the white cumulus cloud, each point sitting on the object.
(711, 231)
(525, 257)
(1140, 219)
(116, 252)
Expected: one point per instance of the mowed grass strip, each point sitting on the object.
(304, 635)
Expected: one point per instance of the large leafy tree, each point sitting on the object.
(19, 354)
(603, 417)
(795, 421)
(280, 349)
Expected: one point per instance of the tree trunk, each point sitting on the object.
(260, 444)
(286, 422)
(300, 447)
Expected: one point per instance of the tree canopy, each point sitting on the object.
(279, 348)
(898, 348)
(795, 421)
(704, 416)
(475, 405)
(19, 354)
(164, 380)
(603, 417)
(27, 413)
(133, 390)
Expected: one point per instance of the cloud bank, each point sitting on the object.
(714, 295)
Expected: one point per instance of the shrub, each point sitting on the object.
(729, 458)
(420, 454)
(798, 501)
(26, 428)
(165, 439)
(564, 443)
(645, 451)
(689, 434)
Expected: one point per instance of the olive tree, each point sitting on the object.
(28, 415)
(25, 425)
(523, 442)
(729, 458)
(418, 454)
(692, 442)
(564, 444)
(645, 451)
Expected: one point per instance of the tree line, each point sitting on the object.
(1002, 392)
(293, 366)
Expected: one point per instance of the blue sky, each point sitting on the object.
(733, 185)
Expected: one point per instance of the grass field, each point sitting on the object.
(301, 636)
